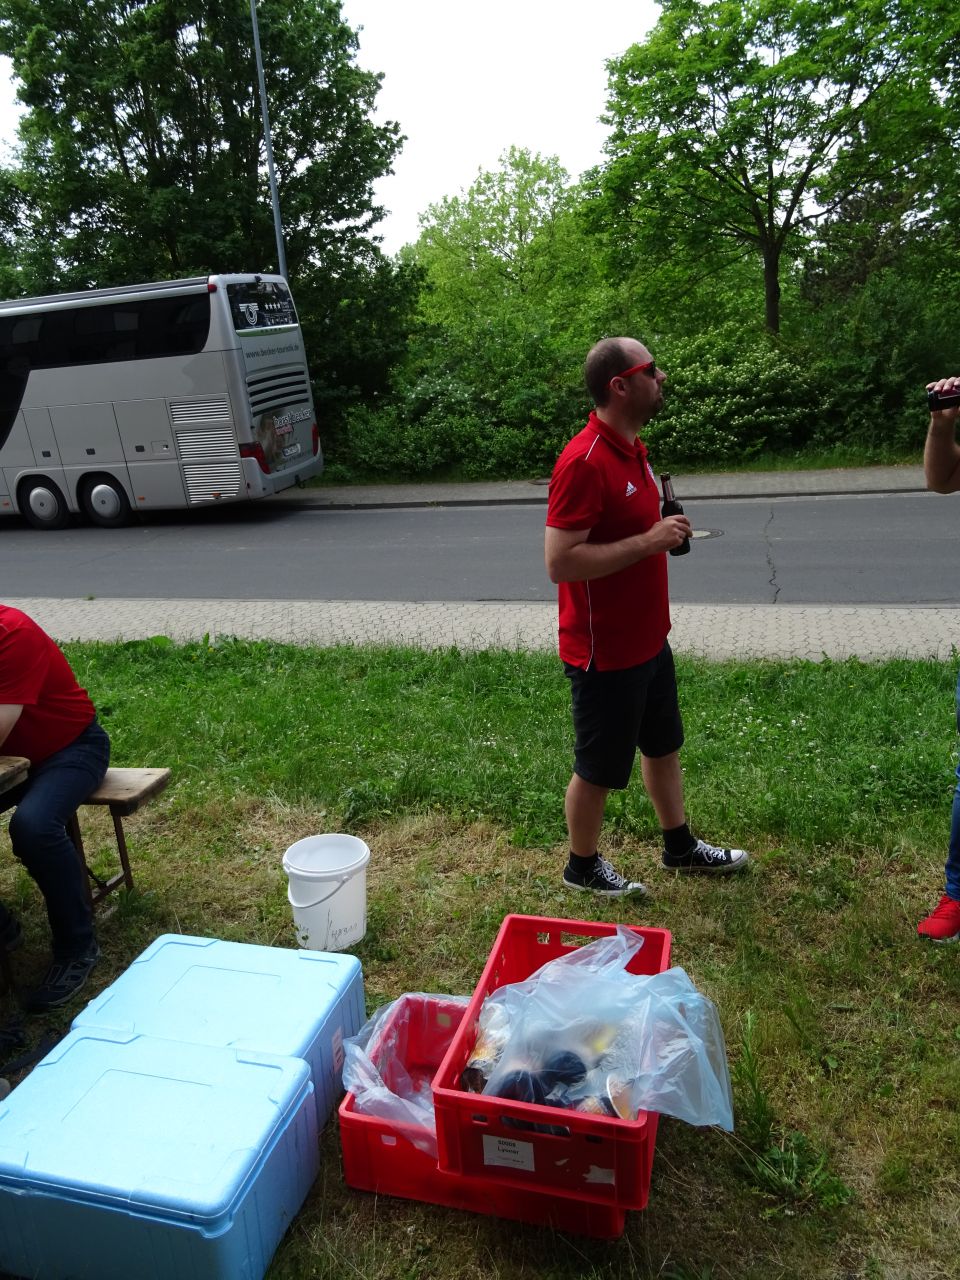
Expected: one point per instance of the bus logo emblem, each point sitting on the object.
(250, 312)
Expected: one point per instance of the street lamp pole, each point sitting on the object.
(277, 225)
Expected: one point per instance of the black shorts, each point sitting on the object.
(615, 713)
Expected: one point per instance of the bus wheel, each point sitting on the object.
(42, 504)
(105, 502)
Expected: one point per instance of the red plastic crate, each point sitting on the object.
(582, 1157)
(380, 1156)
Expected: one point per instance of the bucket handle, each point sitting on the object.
(340, 882)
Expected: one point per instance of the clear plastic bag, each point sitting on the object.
(389, 1064)
(584, 1033)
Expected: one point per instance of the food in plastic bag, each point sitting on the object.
(380, 1071)
(584, 1033)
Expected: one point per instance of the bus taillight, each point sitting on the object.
(255, 451)
(316, 439)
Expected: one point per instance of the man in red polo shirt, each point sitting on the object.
(47, 717)
(606, 549)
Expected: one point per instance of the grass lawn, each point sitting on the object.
(843, 1031)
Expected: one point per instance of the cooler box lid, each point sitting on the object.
(147, 1125)
(224, 993)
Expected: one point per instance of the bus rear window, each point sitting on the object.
(260, 305)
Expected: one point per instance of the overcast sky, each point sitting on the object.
(465, 82)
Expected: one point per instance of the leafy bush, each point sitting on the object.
(443, 422)
(728, 400)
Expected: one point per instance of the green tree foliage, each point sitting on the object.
(493, 383)
(142, 157)
(738, 124)
(873, 286)
(142, 139)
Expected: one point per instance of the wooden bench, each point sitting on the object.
(123, 791)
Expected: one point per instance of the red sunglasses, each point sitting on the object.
(649, 368)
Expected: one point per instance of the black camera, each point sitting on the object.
(943, 399)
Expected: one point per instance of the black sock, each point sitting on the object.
(583, 866)
(677, 841)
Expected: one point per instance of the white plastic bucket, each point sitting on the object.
(327, 889)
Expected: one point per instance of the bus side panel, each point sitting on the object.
(145, 432)
(128, 380)
(87, 435)
(40, 431)
(31, 450)
(18, 457)
(156, 485)
(150, 451)
(89, 442)
(17, 452)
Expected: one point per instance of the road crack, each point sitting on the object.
(771, 565)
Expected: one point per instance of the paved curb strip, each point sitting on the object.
(713, 631)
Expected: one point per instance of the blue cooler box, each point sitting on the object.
(299, 1004)
(130, 1158)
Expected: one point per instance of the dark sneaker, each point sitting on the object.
(11, 935)
(602, 880)
(943, 922)
(707, 857)
(63, 980)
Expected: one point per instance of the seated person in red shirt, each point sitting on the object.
(47, 717)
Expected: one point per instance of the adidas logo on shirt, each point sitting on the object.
(631, 489)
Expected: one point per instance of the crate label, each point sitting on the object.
(601, 1175)
(337, 1046)
(507, 1153)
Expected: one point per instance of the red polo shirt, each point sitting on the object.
(34, 674)
(603, 484)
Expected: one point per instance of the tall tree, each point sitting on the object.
(508, 268)
(142, 150)
(738, 124)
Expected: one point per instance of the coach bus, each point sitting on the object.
(183, 393)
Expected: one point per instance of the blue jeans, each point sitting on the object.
(38, 832)
(953, 857)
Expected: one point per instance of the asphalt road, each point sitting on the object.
(898, 548)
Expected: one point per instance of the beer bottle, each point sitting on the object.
(671, 507)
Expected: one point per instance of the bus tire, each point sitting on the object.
(104, 502)
(42, 504)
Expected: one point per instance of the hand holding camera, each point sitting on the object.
(944, 394)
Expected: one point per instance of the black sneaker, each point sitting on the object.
(63, 980)
(707, 857)
(603, 880)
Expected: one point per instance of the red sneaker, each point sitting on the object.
(943, 922)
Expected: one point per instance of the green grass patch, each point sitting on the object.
(842, 1030)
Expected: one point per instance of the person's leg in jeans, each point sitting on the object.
(952, 868)
(38, 833)
(943, 923)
